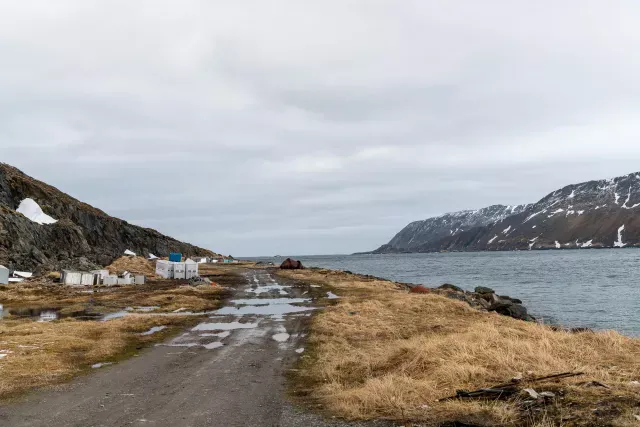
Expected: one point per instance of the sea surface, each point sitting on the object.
(599, 289)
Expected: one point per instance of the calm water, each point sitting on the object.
(599, 289)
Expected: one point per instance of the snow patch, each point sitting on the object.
(532, 242)
(33, 211)
(618, 243)
(558, 246)
(506, 230)
(617, 196)
(573, 194)
(493, 239)
(534, 226)
(587, 244)
(580, 213)
(129, 253)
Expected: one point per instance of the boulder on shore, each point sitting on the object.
(484, 290)
(290, 264)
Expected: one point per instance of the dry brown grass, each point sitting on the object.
(43, 353)
(382, 352)
(168, 295)
(135, 265)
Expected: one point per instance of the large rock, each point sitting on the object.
(507, 308)
(290, 264)
(484, 290)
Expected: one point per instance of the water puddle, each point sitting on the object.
(269, 301)
(276, 288)
(46, 314)
(154, 330)
(100, 365)
(219, 335)
(282, 337)
(224, 326)
(115, 315)
(213, 345)
(263, 310)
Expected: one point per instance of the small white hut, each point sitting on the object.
(4, 275)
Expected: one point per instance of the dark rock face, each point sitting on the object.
(594, 214)
(84, 237)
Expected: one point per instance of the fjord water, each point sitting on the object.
(598, 289)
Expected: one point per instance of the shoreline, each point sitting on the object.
(381, 351)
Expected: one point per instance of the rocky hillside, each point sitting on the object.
(594, 214)
(81, 237)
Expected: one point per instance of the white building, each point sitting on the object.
(78, 278)
(164, 269)
(177, 270)
(4, 275)
(191, 269)
(110, 280)
(101, 273)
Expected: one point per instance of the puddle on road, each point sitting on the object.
(213, 345)
(154, 330)
(269, 288)
(269, 301)
(277, 310)
(219, 335)
(224, 326)
(281, 337)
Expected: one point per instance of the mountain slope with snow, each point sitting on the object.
(594, 214)
(44, 229)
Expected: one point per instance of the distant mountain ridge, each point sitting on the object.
(594, 214)
(82, 237)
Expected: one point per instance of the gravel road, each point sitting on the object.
(227, 372)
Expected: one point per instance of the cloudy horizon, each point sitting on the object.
(288, 127)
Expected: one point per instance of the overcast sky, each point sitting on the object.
(262, 127)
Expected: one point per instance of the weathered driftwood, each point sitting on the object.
(504, 391)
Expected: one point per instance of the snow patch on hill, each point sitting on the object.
(33, 211)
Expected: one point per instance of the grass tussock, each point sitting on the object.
(382, 352)
(46, 353)
(135, 265)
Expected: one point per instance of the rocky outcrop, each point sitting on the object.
(83, 237)
(594, 214)
(484, 298)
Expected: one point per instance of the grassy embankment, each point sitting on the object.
(382, 352)
(46, 353)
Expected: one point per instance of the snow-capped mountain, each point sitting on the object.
(594, 214)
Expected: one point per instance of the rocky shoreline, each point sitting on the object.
(481, 298)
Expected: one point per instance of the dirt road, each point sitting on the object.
(227, 371)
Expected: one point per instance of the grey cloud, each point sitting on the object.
(258, 127)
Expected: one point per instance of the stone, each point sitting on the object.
(514, 300)
(507, 308)
(532, 393)
(484, 290)
(450, 287)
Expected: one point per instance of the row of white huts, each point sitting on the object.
(99, 277)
